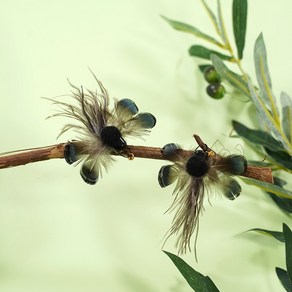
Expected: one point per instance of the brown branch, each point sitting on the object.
(22, 157)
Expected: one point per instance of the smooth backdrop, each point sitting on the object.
(59, 234)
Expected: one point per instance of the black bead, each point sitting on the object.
(112, 137)
(197, 165)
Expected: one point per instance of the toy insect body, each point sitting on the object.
(195, 175)
(102, 131)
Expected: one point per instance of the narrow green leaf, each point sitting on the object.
(263, 75)
(239, 15)
(221, 24)
(212, 16)
(283, 203)
(257, 137)
(231, 77)
(196, 280)
(210, 284)
(278, 191)
(284, 279)
(279, 181)
(184, 27)
(204, 53)
(286, 103)
(203, 67)
(267, 118)
(288, 248)
(276, 234)
(281, 157)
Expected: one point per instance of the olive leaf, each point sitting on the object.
(205, 53)
(203, 67)
(234, 79)
(288, 249)
(267, 118)
(283, 203)
(212, 16)
(239, 15)
(184, 27)
(280, 157)
(196, 280)
(276, 234)
(263, 75)
(257, 137)
(286, 104)
(274, 189)
(284, 279)
(286, 276)
(221, 25)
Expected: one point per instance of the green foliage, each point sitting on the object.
(272, 138)
(263, 75)
(231, 77)
(288, 247)
(286, 103)
(267, 187)
(276, 234)
(190, 29)
(286, 276)
(196, 280)
(239, 14)
(257, 137)
(285, 204)
(205, 53)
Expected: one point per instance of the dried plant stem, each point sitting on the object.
(22, 157)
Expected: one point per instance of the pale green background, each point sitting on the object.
(59, 234)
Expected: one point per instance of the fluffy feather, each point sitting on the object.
(91, 111)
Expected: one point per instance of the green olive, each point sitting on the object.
(215, 90)
(211, 75)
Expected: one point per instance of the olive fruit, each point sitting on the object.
(211, 75)
(215, 90)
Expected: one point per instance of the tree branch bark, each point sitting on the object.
(22, 157)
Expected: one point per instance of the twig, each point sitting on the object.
(22, 157)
